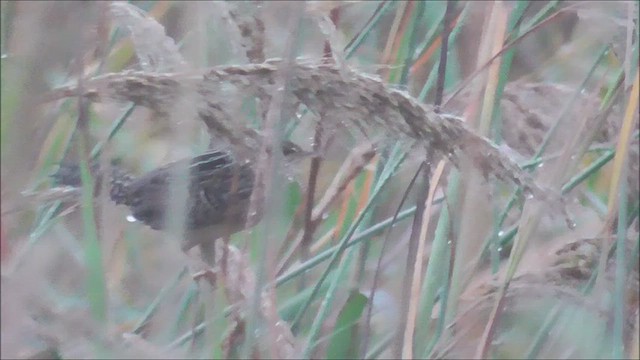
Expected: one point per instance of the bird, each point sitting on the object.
(219, 190)
(218, 187)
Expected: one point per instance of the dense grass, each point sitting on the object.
(334, 269)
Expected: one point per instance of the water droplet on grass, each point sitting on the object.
(528, 194)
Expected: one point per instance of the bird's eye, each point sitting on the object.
(205, 198)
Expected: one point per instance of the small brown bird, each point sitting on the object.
(219, 190)
(218, 196)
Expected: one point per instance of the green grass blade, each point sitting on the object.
(96, 286)
(343, 344)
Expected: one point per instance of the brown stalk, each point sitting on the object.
(399, 350)
(416, 284)
(410, 289)
(316, 161)
(378, 269)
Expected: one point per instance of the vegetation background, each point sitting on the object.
(486, 272)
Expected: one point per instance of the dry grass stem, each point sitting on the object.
(240, 283)
(355, 100)
(412, 317)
